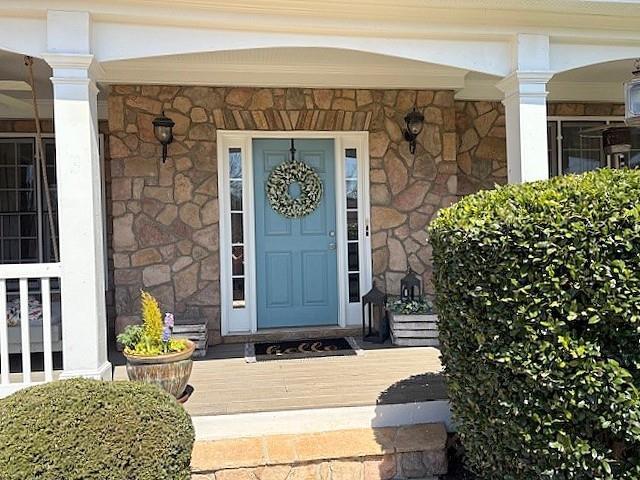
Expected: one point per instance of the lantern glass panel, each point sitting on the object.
(410, 287)
(162, 133)
(415, 127)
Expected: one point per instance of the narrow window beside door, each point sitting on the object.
(353, 230)
(236, 189)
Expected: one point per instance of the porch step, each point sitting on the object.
(406, 452)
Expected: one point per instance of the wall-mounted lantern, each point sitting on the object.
(414, 121)
(163, 130)
(632, 98)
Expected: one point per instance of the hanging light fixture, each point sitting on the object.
(292, 150)
(632, 98)
(414, 121)
(163, 130)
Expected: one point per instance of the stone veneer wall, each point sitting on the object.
(165, 217)
(482, 149)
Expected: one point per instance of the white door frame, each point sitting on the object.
(245, 320)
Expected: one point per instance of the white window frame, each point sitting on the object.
(101, 148)
(558, 119)
(245, 320)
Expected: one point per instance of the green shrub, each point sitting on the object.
(90, 430)
(538, 294)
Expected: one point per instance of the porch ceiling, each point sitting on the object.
(286, 67)
(13, 98)
(595, 83)
(15, 95)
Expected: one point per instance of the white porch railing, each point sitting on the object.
(15, 283)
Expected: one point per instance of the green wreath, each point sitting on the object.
(282, 177)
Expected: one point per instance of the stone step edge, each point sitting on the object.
(211, 456)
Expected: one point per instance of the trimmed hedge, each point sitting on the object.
(538, 295)
(91, 430)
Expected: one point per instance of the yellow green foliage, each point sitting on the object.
(176, 345)
(150, 338)
(151, 317)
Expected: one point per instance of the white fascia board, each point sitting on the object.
(316, 14)
(128, 41)
(566, 56)
(23, 35)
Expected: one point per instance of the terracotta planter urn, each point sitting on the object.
(170, 372)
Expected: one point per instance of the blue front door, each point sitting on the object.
(296, 269)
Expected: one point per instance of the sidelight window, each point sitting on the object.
(236, 189)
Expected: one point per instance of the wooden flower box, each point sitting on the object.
(414, 330)
(197, 333)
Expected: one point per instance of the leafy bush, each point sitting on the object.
(538, 295)
(90, 430)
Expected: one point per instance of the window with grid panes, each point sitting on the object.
(24, 228)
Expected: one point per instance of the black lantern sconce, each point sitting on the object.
(374, 309)
(414, 121)
(410, 287)
(163, 130)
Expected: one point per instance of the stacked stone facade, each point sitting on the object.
(482, 148)
(165, 216)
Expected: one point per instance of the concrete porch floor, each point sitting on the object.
(226, 384)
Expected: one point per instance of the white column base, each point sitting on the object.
(105, 372)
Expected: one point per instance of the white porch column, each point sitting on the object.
(525, 104)
(84, 324)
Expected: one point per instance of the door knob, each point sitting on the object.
(332, 246)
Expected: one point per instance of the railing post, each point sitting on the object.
(84, 326)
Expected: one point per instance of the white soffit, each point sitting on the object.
(596, 83)
(286, 67)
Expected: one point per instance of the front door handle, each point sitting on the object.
(332, 246)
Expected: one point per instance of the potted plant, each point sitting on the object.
(153, 355)
(413, 322)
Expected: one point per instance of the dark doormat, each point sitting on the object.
(325, 347)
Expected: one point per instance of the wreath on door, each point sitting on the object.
(279, 184)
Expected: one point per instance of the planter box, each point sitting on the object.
(414, 330)
(197, 333)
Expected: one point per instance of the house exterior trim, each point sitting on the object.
(239, 321)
